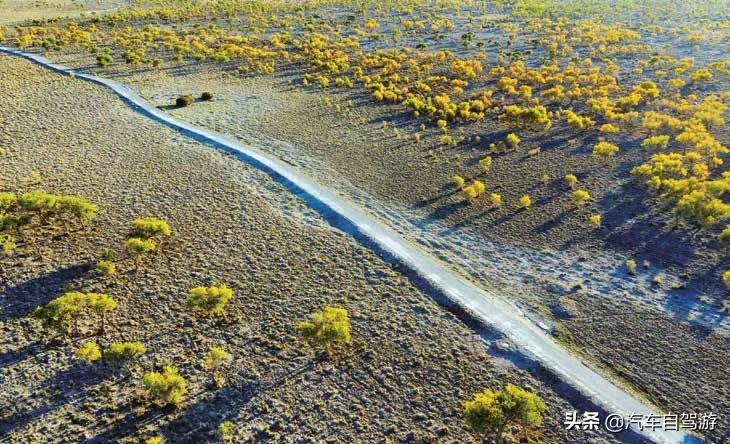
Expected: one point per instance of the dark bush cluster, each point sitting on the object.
(184, 101)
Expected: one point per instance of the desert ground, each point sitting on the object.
(281, 79)
(412, 362)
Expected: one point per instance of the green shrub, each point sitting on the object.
(184, 101)
(88, 352)
(147, 227)
(631, 266)
(489, 412)
(210, 300)
(100, 304)
(78, 207)
(7, 200)
(217, 359)
(724, 237)
(225, 429)
(104, 59)
(62, 313)
(42, 203)
(328, 328)
(206, 96)
(8, 245)
(106, 268)
(167, 387)
(137, 247)
(120, 352)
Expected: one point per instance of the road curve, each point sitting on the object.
(479, 303)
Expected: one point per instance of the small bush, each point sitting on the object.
(104, 59)
(121, 352)
(631, 266)
(571, 180)
(210, 300)
(106, 268)
(216, 360)
(7, 200)
(490, 413)
(206, 96)
(458, 181)
(8, 245)
(595, 220)
(78, 207)
(495, 199)
(155, 440)
(328, 328)
(100, 304)
(605, 149)
(513, 140)
(581, 196)
(225, 429)
(62, 313)
(167, 387)
(485, 163)
(137, 247)
(726, 278)
(39, 202)
(88, 352)
(184, 101)
(525, 202)
(147, 227)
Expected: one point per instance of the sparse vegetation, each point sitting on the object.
(211, 301)
(166, 387)
(329, 329)
(183, 101)
(490, 413)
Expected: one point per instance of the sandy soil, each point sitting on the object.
(412, 364)
(546, 259)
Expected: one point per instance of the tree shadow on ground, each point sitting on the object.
(21, 299)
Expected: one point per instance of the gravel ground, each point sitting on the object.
(411, 364)
(546, 259)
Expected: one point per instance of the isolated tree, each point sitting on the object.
(631, 266)
(211, 300)
(605, 149)
(595, 220)
(513, 140)
(525, 201)
(40, 203)
(216, 361)
(489, 413)
(79, 207)
(166, 387)
(137, 248)
(328, 328)
(122, 352)
(155, 440)
(88, 352)
(571, 180)
(7, 200)
(485, 163)
(106, 268)
(225, 429)
(581, 196)
(62, 313)
(724, 237)
(100, 304)
(459, 182)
